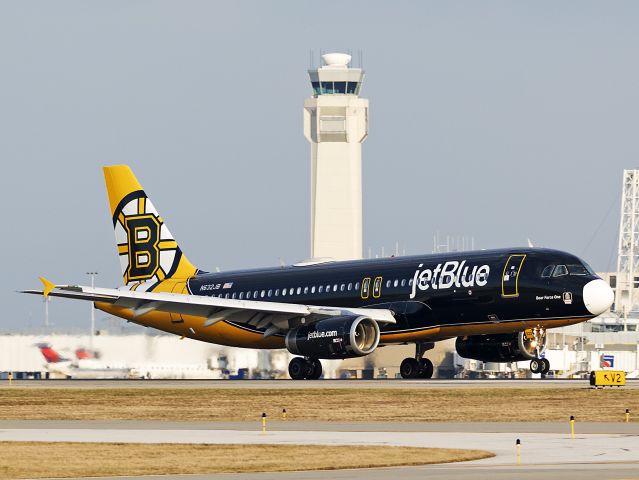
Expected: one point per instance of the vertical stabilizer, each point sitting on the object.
(148, 252)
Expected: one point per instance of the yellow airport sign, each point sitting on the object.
(608, 378)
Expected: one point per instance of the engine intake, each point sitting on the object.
(339, 337)
(507, 347)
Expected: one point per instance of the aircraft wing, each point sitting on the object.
(274, 317)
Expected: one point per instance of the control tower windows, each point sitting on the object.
(327, 88)
(339, 87)
(330, 88)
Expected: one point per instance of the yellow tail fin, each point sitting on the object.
(148, 252)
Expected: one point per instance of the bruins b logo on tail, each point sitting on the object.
(148, 252)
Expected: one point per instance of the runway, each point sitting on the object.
(297, 384)
(608, 450)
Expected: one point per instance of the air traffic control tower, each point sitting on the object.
(336, 124)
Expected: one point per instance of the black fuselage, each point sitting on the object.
(432, 296)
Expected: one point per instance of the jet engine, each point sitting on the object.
(339, 337)
(507, 347)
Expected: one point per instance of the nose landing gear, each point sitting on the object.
(418, 367)
(300, 368)
(539, 365)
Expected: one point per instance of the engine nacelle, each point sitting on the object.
(339, 337)
(506, 347)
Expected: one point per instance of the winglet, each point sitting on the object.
(48, 286)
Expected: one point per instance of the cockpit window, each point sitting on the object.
(547, 272)
(560, 271)
(577, 270)
(589, 269)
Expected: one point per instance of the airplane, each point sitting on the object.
(81, 367)
(497, 303)
(87, 365)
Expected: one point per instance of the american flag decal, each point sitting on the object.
(227, 285)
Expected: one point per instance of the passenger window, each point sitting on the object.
(291, 291)
(547, 272)
(270, 292)
(395, 283)
(241, 295)
(335, 287)
(277, 292)
(305, 290)
(560, 271)
(328, 289)
(248, 295)
(226, 296)
(299, 290)
(410, 282)
(321, 288)
(388, 283)
(233, 296)
(350, 287)
(342, 287)
(283, 292)
(403, 282)
(256, 294)
(313, 289)
(357, 286)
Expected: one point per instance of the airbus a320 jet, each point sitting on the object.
(498, 303)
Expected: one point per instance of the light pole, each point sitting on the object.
(92, 275)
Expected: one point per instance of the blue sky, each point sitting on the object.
(500, 120)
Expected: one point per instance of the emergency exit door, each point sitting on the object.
(510, 278)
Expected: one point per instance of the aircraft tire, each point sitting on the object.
(426, 368)
(409, 368)
(545, 366)
(317, 369)
(535, 365)
(297, 368)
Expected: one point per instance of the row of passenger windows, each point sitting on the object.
(343, 287)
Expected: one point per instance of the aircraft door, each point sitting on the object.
(510, 277)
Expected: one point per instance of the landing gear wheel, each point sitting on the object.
(535, 365)
(426, 368)
(409, 368)
(317, 369)
(297, 368)
(545, 366)
(309, 368)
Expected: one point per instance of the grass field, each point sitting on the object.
(36, 460)
(403, 405)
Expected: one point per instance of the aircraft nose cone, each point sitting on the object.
(598, 296)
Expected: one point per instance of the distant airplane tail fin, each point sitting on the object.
(148, 252)
(49, 354)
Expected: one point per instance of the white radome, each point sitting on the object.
(598, 296)
(336, 59)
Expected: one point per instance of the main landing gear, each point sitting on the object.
(418, 367)
(540, 365)
(301, 368)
